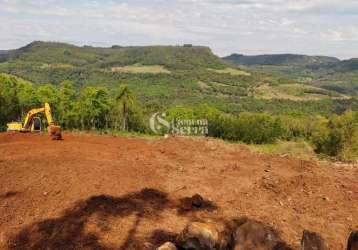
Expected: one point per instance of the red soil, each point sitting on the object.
(103, 192)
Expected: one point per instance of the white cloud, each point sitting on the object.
(245, 26)
(343, 34)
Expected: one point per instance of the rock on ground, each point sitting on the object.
(205, 236)
(312, 241)
(167, 246)
(251, 234)
(353, 241)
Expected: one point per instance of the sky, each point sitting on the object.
(314, 27)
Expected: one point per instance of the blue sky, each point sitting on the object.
(327, 27)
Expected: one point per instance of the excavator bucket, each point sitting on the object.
(55, 132)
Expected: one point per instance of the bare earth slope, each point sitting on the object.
(103, 192)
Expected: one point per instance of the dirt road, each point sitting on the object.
(103, 192)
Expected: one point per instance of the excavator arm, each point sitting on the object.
(48, 114)
(54, 131)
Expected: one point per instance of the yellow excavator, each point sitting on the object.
(33, 124)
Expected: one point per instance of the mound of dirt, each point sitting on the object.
(104, 192)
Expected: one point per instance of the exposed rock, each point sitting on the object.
(238, 234)
(147, 246)
(195, 203)
(312, 241)
(325, 198)
(353, 241)
(252, 234)
(205, 236)
(167, 246)
(197, 200)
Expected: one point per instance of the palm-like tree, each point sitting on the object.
(124, 98)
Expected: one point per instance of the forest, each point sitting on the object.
(109, 110)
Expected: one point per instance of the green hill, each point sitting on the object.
(173, 57)
(280, 59)
(166, 76)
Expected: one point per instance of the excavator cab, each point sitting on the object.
(36, 124)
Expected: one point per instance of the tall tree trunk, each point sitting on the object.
(124, 122)
(82, 122)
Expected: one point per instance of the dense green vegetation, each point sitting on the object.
(91, 108)
(335, 136)
(173, 57)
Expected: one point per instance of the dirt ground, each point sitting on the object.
(104, 192)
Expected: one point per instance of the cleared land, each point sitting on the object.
(104, 192)
(152, 69)
(231, 71)
(56, 66)
(295, 92)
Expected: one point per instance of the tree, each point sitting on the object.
(67, 98)
(9, 103)
(26, 97)
(47, 93)
(93, 107)
(124, 98)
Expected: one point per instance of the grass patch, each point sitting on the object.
(19, 79)
(56, 66)
(203, 85)
(295, 92)
(299, 148)
(120, 133)
(231, 71)
(137, 69)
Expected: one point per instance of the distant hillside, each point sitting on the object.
(165, 76)
(324, 72)
(280, 59)
(342, 66)
(175, 57)
(3, 55)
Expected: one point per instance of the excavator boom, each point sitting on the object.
(48, 114)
